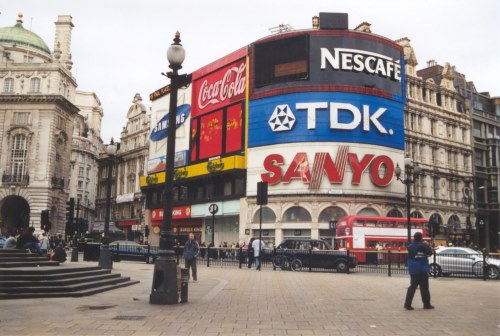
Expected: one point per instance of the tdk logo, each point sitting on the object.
(283, 118)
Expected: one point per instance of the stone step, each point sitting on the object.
(49, 274)
(34, 281)
(28, 263)
(37, 289)
(78, 293)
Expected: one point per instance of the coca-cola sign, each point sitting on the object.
(220, 88)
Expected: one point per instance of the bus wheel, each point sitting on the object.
(435, 270)
(341, 266)
(296, 265)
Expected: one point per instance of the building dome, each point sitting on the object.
(20, 36)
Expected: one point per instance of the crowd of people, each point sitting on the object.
(45, 244)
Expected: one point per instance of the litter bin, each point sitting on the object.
(91, 251)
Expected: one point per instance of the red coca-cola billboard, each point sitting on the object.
(218, 108)
(219, 84)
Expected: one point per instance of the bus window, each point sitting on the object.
(371, 223)
(384, 224)
(371, 243)
(359, 223)
(341, 223)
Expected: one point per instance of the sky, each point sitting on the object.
(119, 46)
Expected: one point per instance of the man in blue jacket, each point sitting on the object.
(191, 251)
(418, 267)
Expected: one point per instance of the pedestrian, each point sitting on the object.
(257, 246)
(418, 267)
(250, 253)
(191, 251)
(380, 256)
(44, 243)
(11, 242)
(28, 241)
(59, 253)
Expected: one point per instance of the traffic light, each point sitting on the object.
(45, 222)
(70, 211)
(261, 193)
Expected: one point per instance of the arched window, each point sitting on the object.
(368, 212)
(454, 223)
(18, 157)
(416, 214)
(268, 216)
(394, 213)
(35, 84)
(297, 214)
(331, 213)
(8, 85)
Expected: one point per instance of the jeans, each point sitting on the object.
(257, 262)
(192, 263)
(33, 247)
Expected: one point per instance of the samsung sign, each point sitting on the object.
(160, 131)
(326, 117)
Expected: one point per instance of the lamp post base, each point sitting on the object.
(105, 259)
(165, 291)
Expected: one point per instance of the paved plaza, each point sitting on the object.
(230, 301)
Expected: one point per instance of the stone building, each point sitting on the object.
(127, 202)
(49, 131)
(37, 113)
(86, 146)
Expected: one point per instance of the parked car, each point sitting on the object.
(130, 250)
(463, 260)
(296, 253)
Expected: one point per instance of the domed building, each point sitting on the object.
(37, 115)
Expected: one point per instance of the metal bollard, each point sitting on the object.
(184, 284)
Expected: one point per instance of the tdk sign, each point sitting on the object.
(326, 117)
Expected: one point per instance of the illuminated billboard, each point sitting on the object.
(218, 108)
(326, 117)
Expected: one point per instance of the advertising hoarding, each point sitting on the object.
(326, 117)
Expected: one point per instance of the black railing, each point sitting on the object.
(483, 266)
(15, 179)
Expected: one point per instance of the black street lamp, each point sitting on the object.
(105, 260)
(164, 289)
(408, 181)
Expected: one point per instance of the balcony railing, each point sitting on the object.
(16, 179)
(57, 182)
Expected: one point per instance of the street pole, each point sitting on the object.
(408, 181)
(164, 290)
(105, 260)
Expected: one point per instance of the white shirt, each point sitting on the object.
(255, 246)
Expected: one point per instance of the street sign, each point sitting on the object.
(213, 209)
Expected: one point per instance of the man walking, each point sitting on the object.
(257, 246)
(191, 251)
(418, 267)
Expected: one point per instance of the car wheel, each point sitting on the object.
(478, 268)
(493, 272)
(296, 265)
(150, 259)
(341, 266)
(278, 260)
(435, 270)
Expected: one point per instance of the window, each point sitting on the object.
(268, 216)
(80, 185)
(297, 214)
(433, 126)
(477, 129)
(35, 84)
(28, 59)
(8, 85)
(18, 157)
(81, 171)
(82, 157)
(435, 186)
(21, 118)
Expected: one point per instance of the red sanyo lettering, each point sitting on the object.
(232, 84)
(381, 169)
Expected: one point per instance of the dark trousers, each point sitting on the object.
(422, 281)
(192, 264)
(250, 259)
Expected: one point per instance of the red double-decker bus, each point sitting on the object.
(365, 233)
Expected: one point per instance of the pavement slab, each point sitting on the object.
(232, 301)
